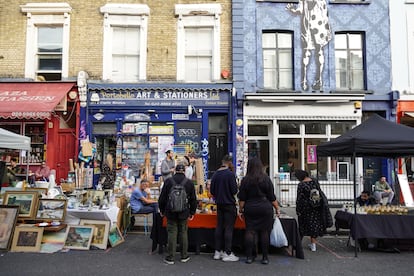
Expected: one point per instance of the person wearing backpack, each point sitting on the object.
(178, 202)
(311, 208)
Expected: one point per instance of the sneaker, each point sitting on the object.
(169, 260)
(230, 258)
(312, 247)
(218, 255)
(185, 259)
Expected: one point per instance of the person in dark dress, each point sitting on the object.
(312, 220)
(256, 201)
(108, 173)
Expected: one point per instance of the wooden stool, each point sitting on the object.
(145, 216)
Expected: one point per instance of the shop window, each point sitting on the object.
(104, 128)
(257, 130)
(125, 42)
(198, 42)
(349, 61)
(315, 128)
(47, 40)
(277, 60)
(339, 128)
(289, 127)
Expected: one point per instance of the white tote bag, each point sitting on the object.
(278, 236)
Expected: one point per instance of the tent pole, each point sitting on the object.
(355, 210)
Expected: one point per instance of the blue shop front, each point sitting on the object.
(139, 123)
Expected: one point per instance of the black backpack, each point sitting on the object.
(177, 198)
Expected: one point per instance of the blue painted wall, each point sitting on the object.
(250, 18)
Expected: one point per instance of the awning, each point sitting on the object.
(31, 99)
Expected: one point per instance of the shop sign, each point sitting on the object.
(157, 98)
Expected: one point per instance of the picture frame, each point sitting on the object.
(78, 237)
(27, 239)
(115, 236)
(41, 191)
(27, 200)
(95, 194)
(101, 232)
(49, 209)
(8, 219)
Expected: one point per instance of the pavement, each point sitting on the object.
(132, 257)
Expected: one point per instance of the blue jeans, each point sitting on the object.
(177, 228)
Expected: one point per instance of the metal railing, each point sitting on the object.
(338, 192)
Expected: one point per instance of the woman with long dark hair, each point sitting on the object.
(256, 201)
(313, 216)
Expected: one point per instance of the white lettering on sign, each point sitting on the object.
(22, 96)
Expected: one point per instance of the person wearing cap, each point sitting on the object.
(224, 188)
(177, 221)
(168, 165)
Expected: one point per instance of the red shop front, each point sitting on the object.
(47, 112)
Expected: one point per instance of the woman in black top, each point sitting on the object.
(256, 202)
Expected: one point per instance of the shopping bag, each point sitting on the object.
(277, 236)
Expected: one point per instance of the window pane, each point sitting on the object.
(285, 59)
(289, 151)
(50, 39)
(355, 41)
(269, 59)
(257, 130)
(125, 53)
(310, 159)
(341, 127)
(356, 60)
(289, 127)
(198, 54)
(340, 41)
(269, 40)
(284, 40)
(285, 80)
(315, 128)
(357, 79)
(270, 78)
(50, 62)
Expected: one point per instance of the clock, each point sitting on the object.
(72, 95)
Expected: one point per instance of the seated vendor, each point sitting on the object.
(43, 172)
(383, 189)
(365, 199)
(140, 200)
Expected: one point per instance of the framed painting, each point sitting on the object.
(101, 232)
(27, 200)
(8, 218)
(27, 239)
(79, 237)
(96, 195)
(115, 236)
(51, 209)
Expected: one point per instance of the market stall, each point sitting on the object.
(374, 137)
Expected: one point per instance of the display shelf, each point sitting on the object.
(37, 135)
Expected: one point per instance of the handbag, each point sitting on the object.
(277, 235)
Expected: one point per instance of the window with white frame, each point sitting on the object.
(277, 60)
(125, 42)
(47, 40)
(349, 61)
(198, 42)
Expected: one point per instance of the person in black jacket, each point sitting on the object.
(224, 188)
(177, 221)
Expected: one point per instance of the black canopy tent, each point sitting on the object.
(375, 137)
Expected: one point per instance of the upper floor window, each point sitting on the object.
(47, 40)
(125, 42)
(349, 61)
(277, 60)
(198, 42)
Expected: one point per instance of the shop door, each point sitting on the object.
(217, 147)
(66, 146)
